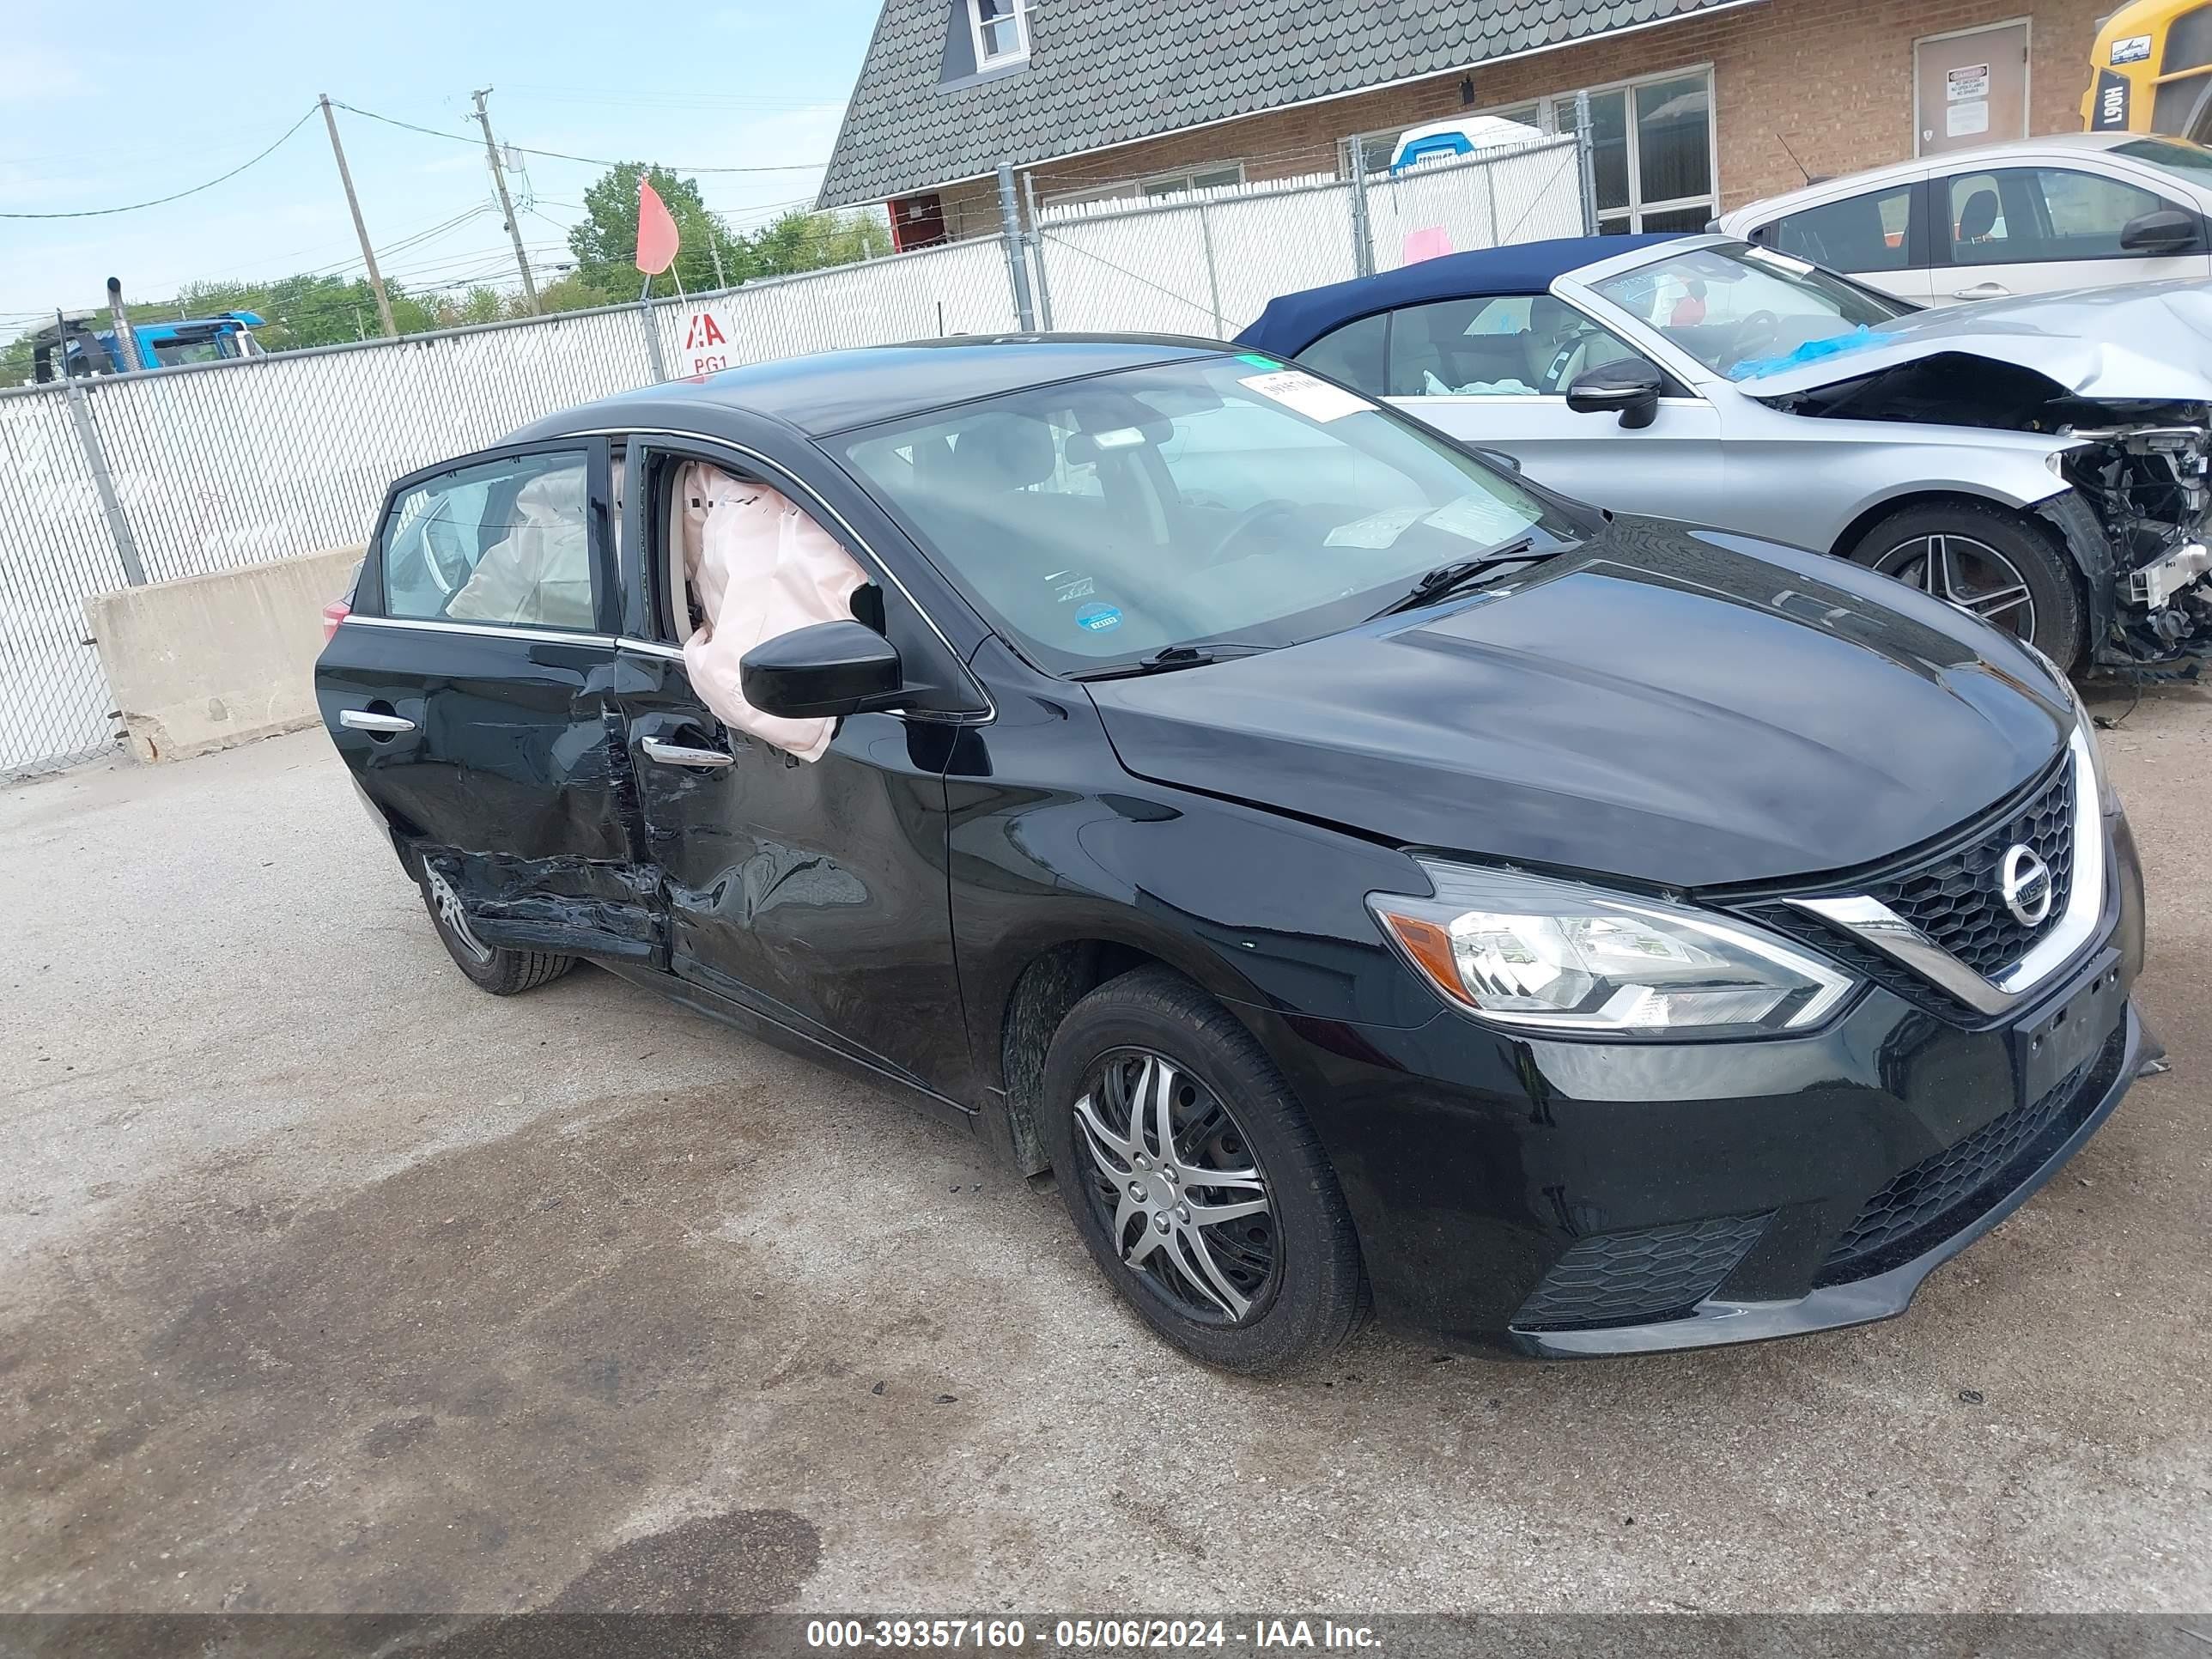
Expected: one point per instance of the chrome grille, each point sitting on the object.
(1954, 899)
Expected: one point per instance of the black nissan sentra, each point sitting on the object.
(1363, 877)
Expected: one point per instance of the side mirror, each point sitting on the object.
(1629, 388)
(2162, 230)
(1496, 458)
(828, 669)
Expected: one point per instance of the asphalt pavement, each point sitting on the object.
(334, 1283)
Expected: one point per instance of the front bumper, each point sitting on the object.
(1566, 1199)
(1881, 1295)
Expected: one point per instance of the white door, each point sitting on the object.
(1670, 468)
(1970, 88)
(1494, 369)
(2001, 231)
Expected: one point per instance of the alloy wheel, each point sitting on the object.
(456, 921)
(1968, 573)
(1174, 1180)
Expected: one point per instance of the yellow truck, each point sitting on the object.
(2151, 70)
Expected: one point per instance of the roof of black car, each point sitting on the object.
(834, 391)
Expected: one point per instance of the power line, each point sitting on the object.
(562, 156)
(133, 207)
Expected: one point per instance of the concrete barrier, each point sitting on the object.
(207, 662)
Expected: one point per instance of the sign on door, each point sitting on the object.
(1970, 88)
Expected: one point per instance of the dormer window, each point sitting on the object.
(1001, 32)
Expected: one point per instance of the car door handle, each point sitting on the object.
(677, 754)
(1982, 291)
(361, 720)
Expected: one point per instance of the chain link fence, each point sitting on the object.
(185, 471)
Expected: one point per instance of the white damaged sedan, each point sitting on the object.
(2041, 461)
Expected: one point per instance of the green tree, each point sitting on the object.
(573, 293)
(799, 240)
(605, 241)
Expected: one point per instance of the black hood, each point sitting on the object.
(1678, 706)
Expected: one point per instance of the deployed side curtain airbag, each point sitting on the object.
(541, 572)
(758, 567)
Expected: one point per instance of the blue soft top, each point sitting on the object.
(1292, 322)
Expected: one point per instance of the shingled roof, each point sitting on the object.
(1103, 72)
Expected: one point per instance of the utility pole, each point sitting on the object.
(498, 182)
(353, 202)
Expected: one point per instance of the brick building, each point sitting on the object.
(1698, 106)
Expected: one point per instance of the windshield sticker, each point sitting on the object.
(1377, 530)
(1257, 361)
(1480, 517)
(1811, 352)
(1767, 255)
(1097, 618)
(1302, 394)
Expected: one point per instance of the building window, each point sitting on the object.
(1652, 140)
(1001, 32)
(1153, 185)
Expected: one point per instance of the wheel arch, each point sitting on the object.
(1052, 978)
(1906, 498)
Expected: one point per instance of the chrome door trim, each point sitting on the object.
(1881, 927)
(487, 630)
(361, 720)
(677, 754)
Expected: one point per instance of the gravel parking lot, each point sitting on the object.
(333, 1284)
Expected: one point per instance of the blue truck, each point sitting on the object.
(75, 346)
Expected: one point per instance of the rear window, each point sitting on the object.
(1871, 232)
(506, 541)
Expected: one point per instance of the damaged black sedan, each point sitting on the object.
(1363, 877)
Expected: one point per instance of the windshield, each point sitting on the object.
(1743, 310)
(1222, 499)
(2185, 161)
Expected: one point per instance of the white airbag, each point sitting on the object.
(759, 567)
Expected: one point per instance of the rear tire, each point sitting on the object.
(1276, 1283)
(1990, 562)
(490, 967)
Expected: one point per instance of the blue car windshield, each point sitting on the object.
(1742, 310)
(1222, 499)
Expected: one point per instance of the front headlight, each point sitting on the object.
(1554, 956)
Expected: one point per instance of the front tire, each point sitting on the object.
(1989, 562)
(1194, 1179)
(490, 967)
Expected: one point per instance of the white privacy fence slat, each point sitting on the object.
(216, 466)
(1528, 194)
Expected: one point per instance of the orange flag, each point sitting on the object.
(656, 231)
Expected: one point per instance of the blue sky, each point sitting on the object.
(735, 86)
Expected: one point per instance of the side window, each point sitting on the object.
(1982, 231)
(1871, 232)
(2087, 212)
(506, 541)
(1494, 345)
(2023, 215)
(1353, 353)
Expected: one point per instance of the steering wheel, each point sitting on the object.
(1246, 522)
(1757, 335)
